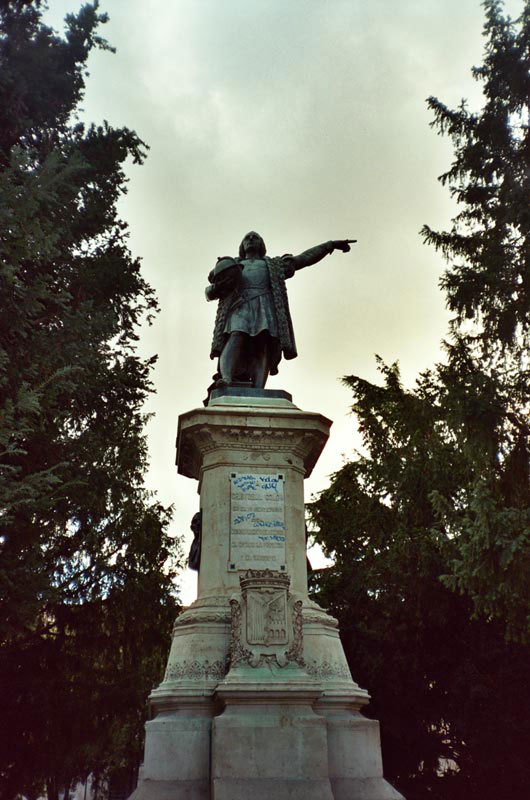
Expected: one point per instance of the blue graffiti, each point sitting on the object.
(251, 483)
(272, 537)
(244, 517)
(261, 523)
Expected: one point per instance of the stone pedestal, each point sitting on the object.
(257, 700)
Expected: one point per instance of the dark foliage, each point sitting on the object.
(85, 560)
(447, 687)
(429, 526)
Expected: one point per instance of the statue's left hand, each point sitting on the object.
(343, 244)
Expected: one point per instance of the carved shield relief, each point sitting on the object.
(266, 621)
(266, 616)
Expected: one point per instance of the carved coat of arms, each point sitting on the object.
(266, 621)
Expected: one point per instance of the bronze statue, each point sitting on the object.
(253, 327)
(194, 558)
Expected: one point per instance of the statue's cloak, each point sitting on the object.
(280, 269)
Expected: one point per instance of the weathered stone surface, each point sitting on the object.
(167, 759)
(215, 442)
(324, 656)
(199, 651)
(363, 789)
(172, 790)
(177, 750)
(257, 700)
(276, 744)
(271, 789)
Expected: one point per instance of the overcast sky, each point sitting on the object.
(306, 121)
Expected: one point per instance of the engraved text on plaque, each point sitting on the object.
(257, 521)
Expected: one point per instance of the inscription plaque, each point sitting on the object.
(257, 521)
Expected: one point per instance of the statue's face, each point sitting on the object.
(252, 242)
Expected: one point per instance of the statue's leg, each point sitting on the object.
(260, 366)
(231, 355)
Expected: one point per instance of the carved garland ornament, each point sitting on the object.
(294, 653)
(327, 669)
(237, 652)
(196, 670)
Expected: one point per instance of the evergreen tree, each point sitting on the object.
(86, 563)
(487, 286)
(429, 526)
(450, 692)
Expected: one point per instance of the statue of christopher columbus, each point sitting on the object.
(253, 326)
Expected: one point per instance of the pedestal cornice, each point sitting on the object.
(204, 433)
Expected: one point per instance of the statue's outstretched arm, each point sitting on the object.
(317, 253)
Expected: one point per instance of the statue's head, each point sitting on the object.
(196, 523)
(254, 240)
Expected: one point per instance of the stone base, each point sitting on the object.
(172, 790)
(363, 789)
(257, 701)
(354, 752)
(269, 745)
(290, 732)
(177, 747)
(235, 394)
(271, 789)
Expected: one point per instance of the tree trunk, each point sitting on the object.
(52, 792)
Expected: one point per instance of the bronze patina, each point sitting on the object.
(253, 327)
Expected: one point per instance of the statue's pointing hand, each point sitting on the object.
(343, 244)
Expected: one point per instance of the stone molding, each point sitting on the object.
(205, 431)
(208, 600)
(196, 670)
(201, 619)
(321, 619)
